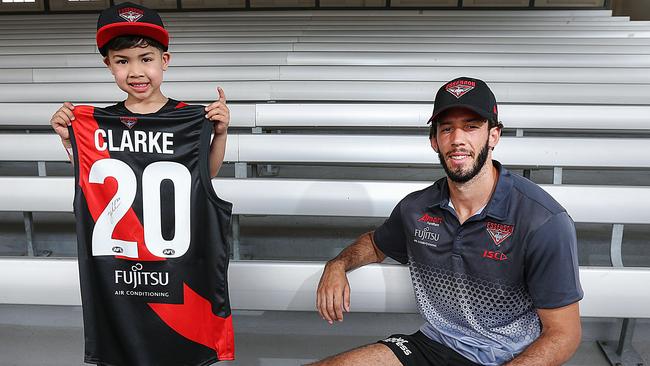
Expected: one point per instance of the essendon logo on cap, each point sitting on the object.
(131, 14)
(129, 121)
(459, 88)
(499, 232)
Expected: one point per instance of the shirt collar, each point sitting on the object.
(497, 207)
(170, 105)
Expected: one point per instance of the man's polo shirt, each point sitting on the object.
(478, 284)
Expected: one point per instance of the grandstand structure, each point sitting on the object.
(328, 133)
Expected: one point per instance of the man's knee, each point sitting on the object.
(370, 355)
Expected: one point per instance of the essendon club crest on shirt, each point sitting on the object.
(129, 121)
(131, 14)
(499, 232)
(459, 88)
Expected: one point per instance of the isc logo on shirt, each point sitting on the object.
(497, 256)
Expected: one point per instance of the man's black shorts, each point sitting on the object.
(418, 350)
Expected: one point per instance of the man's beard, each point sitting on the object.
(463, 177)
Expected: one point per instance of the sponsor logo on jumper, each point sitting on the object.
(426, 237)
(401, 343)
(497, 256)
(134, 141)
(459, 88)
(137, 277)
(431, 220)
(129, 121)
(131, 14)
(141, 293)
(499, 232)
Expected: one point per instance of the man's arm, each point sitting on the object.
(219, 113)
(333, 294)
(560, 338)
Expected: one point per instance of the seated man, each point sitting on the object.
(493, 257)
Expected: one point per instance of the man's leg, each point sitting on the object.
(370, 355)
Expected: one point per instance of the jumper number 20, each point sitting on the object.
(119, 205)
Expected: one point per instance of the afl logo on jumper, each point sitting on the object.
(131, 14)
(499, 232)
(459, 88)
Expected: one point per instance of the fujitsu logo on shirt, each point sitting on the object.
(425, 234)
(426, 237)
(459, 88)
(135, 277)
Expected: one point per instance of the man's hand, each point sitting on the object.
(60, 121)
(219, 113)
(333, 294)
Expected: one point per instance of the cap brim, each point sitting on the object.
(479, 111)
(153, 31)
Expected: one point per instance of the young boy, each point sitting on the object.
(136, 54)
(153, 236)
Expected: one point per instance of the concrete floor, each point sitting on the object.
(53, 336)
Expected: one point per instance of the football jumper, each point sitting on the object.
(153, 238)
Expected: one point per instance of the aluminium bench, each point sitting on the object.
(290, 285)
(332, 90)
(287, 116)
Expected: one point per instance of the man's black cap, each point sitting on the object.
(473, 94)
(130, 19)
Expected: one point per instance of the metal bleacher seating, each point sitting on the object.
(351, 89)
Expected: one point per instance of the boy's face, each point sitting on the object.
(139, 70)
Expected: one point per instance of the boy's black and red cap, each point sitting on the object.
(473, 94)
(130, 19)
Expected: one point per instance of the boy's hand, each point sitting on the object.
(61, 120)
(219, 113)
